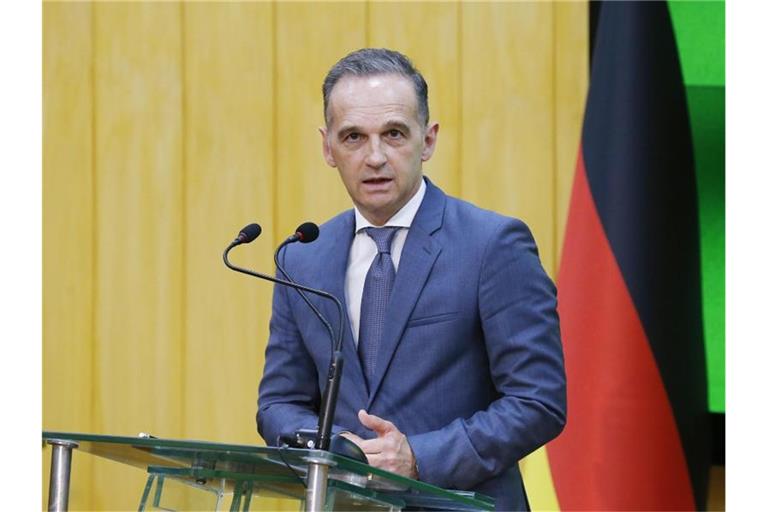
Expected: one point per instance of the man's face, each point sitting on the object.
(377, 141)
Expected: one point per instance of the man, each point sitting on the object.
(453, 362)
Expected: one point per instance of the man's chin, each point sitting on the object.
(377, 213)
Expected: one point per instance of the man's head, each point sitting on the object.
(377, 61)
(377, 132)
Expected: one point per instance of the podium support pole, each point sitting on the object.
(317, 482)
(61, 465)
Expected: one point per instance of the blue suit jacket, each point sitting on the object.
(471, 365)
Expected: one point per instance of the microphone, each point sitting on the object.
(306, 233)
(330, 395)
(247, 235)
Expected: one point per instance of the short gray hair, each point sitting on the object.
(377, 61)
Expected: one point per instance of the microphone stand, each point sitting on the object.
(318, 465)
(331, 393)
(303, 295)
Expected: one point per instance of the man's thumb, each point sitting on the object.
(372, 422)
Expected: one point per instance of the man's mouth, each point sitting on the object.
(376, 181)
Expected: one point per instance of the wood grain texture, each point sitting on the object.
(428, 33)
(508, 117)
(310, 38)
(571, 84)
(68, 221)
(229, 179)
(139, 231)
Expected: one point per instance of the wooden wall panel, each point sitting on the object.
(571, 84)
(571, 33)
(229, 180)
(508, 113)
(67, 231)
(310, 38)
(139, 231)
(428, 33)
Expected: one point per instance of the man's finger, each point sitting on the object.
(378, 425)
(372, 445)
(353, 437)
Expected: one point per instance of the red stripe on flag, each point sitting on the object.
(620, 449)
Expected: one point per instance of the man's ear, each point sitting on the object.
(327, 147)
(430, 141)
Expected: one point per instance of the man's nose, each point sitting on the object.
(376, 156)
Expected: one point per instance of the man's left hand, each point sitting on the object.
(389, 450)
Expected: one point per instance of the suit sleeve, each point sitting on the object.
(517, 307)
(289, 397)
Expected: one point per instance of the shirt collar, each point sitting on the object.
(404, 216)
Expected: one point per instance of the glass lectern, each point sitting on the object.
(316, 479)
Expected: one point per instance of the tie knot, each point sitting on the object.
(383, 237)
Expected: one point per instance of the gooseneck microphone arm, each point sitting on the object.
(281, 281)
(331, 392)
(273, 279)
(303, 295)
(306, 233)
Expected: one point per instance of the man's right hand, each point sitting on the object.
(390, 450)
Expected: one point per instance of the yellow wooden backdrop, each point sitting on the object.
(168, 126)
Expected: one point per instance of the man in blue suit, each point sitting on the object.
(453, 361)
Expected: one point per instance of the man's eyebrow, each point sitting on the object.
(398, 125)
(391, 124)
(346, 130)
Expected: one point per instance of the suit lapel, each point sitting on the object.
(332, 274)
(418, 256)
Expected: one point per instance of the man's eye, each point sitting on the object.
(353, 137)
(395, 134)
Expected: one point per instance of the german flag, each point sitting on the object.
(637, 436)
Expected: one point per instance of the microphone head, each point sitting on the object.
(307, 232)
(249, 233)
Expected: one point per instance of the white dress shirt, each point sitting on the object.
(363, 250)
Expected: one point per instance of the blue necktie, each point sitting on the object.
(376, 292)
